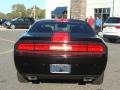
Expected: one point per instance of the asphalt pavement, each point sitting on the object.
(8, 76)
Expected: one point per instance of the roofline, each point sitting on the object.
(72, 20)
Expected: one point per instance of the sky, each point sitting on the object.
(6, 5)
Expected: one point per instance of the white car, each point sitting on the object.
(111, 29)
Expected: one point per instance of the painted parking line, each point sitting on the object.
(13, 29)
(6, 52)
(7, 40)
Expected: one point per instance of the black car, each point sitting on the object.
(21, 22)
(60, 49)
(2, 21)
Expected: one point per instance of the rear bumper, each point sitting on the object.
(43, 76)
(79, 65)
(111, 36)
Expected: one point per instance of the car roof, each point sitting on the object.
(115, 17)
(61, 20)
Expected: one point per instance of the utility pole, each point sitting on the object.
(113, 8)
(34, 9)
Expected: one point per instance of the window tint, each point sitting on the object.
(113, 20)
(20, 19)
(27, 20)
(39, 27)
(61, 27)
(42, 27)
(31, 19)
(77, 28)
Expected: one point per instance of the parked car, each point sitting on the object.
(2, 21)
(111, 29)
(60, 49)
(21, 22)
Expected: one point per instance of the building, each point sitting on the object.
(78, 9)
(102, 8)
(81, 9)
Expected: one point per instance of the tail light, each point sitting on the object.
(26, 46)
(118, 27)
(61, 42)
(89, 47)
(32, 47)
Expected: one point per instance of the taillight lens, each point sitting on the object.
(118, 27)
(90, 47)
(32, 47)
(79, 47)
(96, 48)
(41, 47)
(25, 46)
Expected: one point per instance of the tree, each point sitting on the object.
(40, 13)
(18, 10)
(2, 15)
(10, 16)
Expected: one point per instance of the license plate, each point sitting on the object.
(60, 68)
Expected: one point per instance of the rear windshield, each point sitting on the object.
(113, 20)
(47, 27)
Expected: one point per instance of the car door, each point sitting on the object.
(19, 23)
(27, 22)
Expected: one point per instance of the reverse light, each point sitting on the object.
(63, 47)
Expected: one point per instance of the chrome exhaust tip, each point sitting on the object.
(88, 79)
(32, 78)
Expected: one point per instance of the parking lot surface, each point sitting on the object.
(8, 76)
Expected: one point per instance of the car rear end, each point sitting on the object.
(111, 29)
(66, 52)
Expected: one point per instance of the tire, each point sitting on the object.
(99, 80)
(112, 40)
(81, 82)
(12, 26)
(36, 82)
(21, 78)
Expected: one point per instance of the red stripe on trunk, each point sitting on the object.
(61, 37)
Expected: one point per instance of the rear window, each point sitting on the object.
(113, 20)
(47, 27)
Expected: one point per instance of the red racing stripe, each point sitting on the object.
(61, 37)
